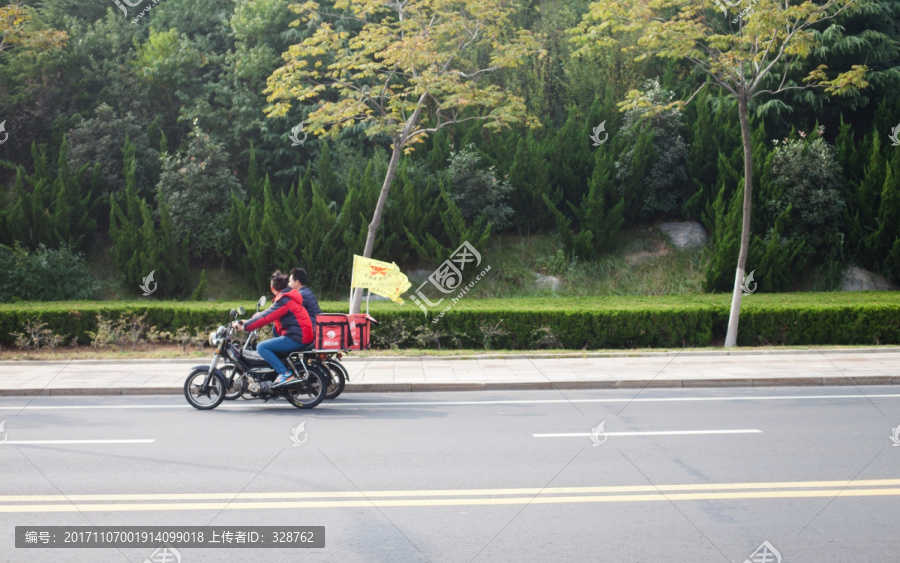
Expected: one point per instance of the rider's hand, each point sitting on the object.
(237, 325)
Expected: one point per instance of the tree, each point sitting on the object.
(197, 184)
(747, 56)
(660, 179)
(17, 31)
(476, 191)
(404, 68)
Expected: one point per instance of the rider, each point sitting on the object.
(293, 328)
(300, 281)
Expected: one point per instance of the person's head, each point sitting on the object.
(299, 278)
(278, 282)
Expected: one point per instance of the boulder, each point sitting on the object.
(860, 279)
(685, 234)
(553, 283)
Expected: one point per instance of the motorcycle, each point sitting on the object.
(206, 386)
(336, 377)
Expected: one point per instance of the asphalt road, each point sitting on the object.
(675, 475)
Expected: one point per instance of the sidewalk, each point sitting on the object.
(677, 368)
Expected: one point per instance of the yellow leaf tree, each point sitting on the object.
(406, 68)
(747, 52)
(16, 30)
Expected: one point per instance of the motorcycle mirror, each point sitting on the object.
(241, 311)
(261, 302)
(231, 314)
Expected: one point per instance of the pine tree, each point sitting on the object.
(631, 177)
(72, 224)
(881, 244)
(530, 180)
(724, 214)
(327, 179)
(198, 293)
(598, 217)
(701, 169)
(868, 196)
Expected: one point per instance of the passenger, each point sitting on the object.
(300, 281)
(292, 326)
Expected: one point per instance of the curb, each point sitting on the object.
(536, 356)
(505, 386)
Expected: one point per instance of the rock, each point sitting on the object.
(685, 234)
(553, 283)
(860, 279)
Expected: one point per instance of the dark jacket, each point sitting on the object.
(311, 304)
(288, 315)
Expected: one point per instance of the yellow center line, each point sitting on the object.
(450, 492)
(446, 501)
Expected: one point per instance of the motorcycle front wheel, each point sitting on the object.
(204, 399)
(308, 394)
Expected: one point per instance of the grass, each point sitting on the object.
(644, 262)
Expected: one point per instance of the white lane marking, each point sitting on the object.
(346, 404)
(41, 442)
(650, 433)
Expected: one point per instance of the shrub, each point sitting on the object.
(37, 336)
(44, 275)
(572, 323)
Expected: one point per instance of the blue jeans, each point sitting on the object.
(277, 345)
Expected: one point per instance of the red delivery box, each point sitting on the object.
(333, 332)
(360, 326)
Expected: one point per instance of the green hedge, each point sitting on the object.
(574, 323)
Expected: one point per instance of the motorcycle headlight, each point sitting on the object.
(213, 338)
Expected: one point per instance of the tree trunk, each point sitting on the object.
(734, 316)
(376, 218)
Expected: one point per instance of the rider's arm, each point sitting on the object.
(270, 315)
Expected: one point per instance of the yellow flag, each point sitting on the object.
(379, 277)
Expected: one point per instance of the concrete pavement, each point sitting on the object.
(676, 368)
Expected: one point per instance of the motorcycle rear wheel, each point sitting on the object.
(309, 394)
(337, 378)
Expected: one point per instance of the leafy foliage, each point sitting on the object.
(44, 275)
